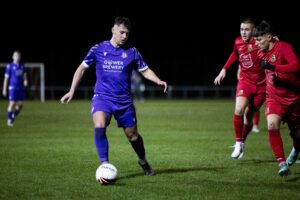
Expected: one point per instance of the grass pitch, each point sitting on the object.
(50, 154)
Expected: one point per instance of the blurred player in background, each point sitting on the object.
(112, 93)
(251, 88)
(15, 80)
(282, 103)
(256, 116)
(137, 86)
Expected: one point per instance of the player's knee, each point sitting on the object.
(239, 111)
(11, 106)
(131, 134)
(99, 125)
(273, 125)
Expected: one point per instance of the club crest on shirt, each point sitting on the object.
(104, 53)
(124, 55)
(273, 58)
(250, 48)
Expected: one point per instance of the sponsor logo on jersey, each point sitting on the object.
(246, 60)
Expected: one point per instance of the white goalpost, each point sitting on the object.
(36, 84)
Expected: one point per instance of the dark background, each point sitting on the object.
(185, 44)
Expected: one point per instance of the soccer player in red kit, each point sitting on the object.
(251, 88)
(282, 103)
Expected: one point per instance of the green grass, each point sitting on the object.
(50, 154)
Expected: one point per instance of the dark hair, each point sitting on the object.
(263, 28)
(124, 21)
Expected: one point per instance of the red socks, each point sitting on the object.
(238, 123)
(276, 144)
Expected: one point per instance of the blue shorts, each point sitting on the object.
(16, 94)
(123, 111)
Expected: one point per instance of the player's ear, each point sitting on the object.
(269, 37)
(113, 29)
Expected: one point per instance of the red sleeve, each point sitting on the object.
(232, 58)
(291, 59)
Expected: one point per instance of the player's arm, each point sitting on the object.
(76, 79)
(5, 83)
(150, 75)
(238, 73)
(232, 58)
(6, 80)
(291, 58)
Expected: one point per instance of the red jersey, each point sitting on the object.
(247, 55)
(286, 64)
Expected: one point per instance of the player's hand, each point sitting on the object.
(266, 65)
(25, 83)
(67, 98)
(164, 84)
(220, 77)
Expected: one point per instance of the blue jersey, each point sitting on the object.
(114, 69)
(15, 73)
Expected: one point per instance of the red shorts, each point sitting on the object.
(289, 112)
(256, 94)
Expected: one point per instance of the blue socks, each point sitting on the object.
(101, 143)
(10, 116)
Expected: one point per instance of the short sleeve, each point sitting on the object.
(7, 71)
(141, 64)
(90, 58)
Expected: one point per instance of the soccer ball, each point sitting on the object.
(106, 174)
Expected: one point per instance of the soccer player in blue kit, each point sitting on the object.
(112, 93)
(15, 80)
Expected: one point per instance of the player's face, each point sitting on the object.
(120, 34)
(16, 57)
(263, 42)
(246, 31)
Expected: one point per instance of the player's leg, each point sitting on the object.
(20, 100)
(256, 119)
(275, 142)
(238, 123)
(248, 122)
(127, 120)
(18, 108)
(101, 142)
(293, 156)
(137, 144)
(255, 103)
(10, 111)
(294, 126)
(13, 98)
